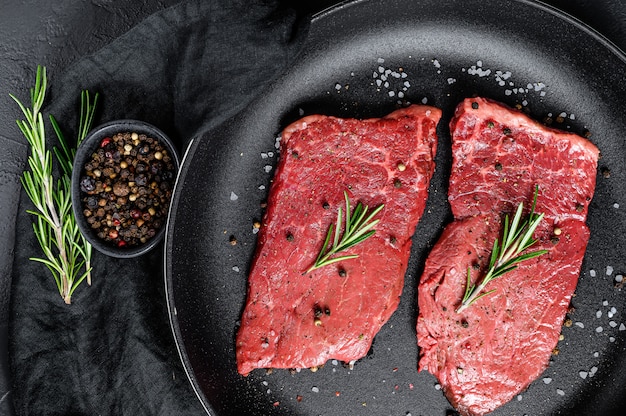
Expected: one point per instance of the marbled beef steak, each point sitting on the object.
(496, 347)
(294, 319)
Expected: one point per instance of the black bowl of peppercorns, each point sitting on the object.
(122, 181)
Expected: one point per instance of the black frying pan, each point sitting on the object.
(518, 52)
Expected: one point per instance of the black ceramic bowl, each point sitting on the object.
(121, 198)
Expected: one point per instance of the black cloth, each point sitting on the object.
(111, 352)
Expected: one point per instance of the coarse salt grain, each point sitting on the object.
(267, 168)
(605, 303)
(622, 327)
(547, 380)
(560, 392)
(235, 268)
(609, 270)
(583, 374)
(437, 386)
(315, 389)
(599, 329)
(592, 273)
(598, 314)
(233, 196)
(616, 205)
(579, 324)
(592, 371)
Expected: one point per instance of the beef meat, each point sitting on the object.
(294, 319)
(495, 348)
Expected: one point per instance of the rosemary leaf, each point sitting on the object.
(517, 236)
(358, 228)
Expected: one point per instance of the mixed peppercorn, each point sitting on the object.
(126, 188)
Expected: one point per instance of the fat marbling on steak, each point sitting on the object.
(294, 319)
(492, 350)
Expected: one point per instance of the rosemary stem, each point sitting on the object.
(65, 251)
(476, 293)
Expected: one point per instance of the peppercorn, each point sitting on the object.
(126, 188)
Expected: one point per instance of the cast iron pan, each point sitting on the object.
(518, 52)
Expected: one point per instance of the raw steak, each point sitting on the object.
(495, 348)
(294, 319)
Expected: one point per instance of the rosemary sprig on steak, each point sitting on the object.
(517, 236)
(359, 227)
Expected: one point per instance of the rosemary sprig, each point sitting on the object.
(517, 236)
(65, 253)
(359, 227)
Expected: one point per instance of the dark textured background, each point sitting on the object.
(57, 34)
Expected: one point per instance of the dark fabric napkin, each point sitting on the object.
(111, 352)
